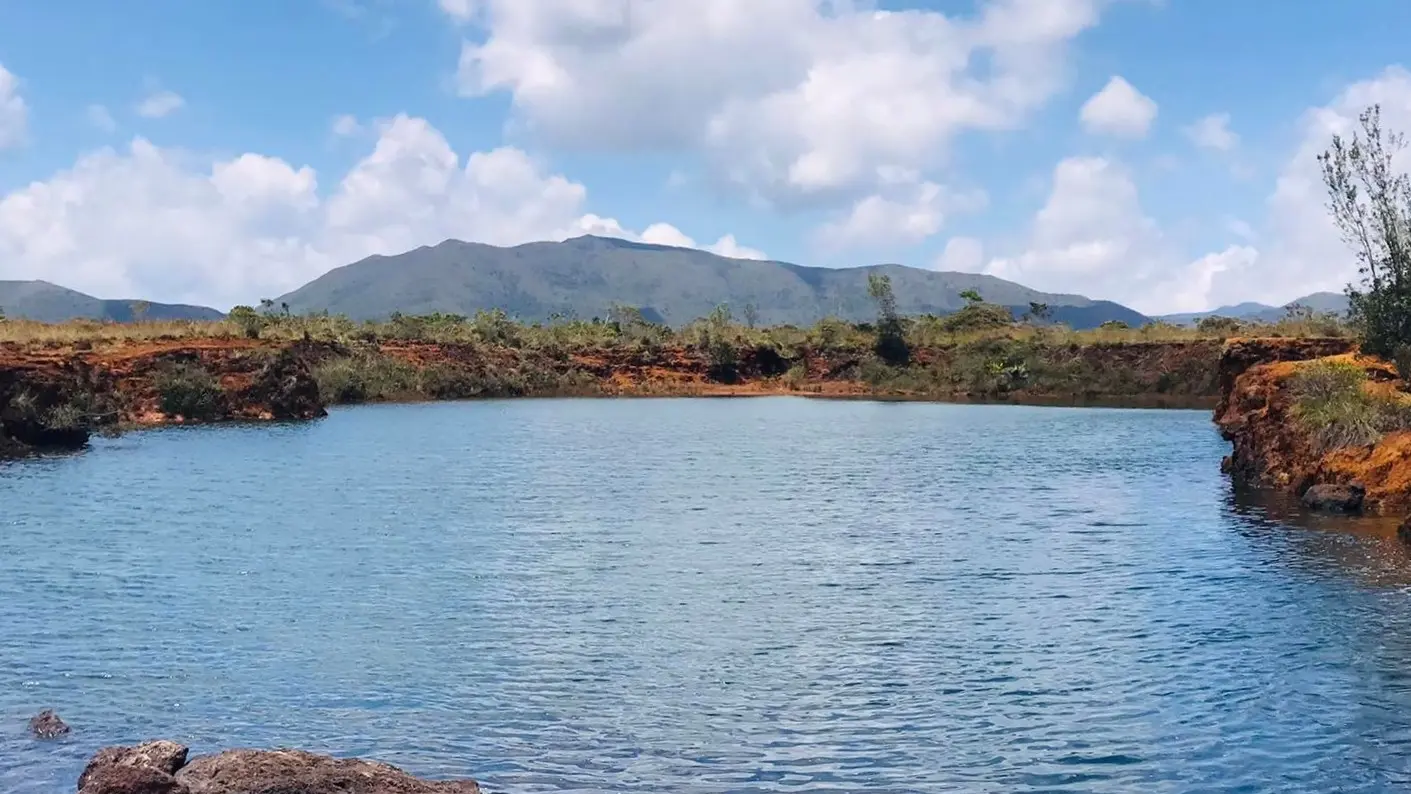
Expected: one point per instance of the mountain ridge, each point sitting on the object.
(48, 302)
(585, 276)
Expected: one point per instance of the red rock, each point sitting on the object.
(161, 768)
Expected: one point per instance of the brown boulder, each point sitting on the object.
(163, 757)
(161, 768)
(47, 725)
(1332, 498)
(119, 779)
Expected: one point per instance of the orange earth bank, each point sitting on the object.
(1271, 448)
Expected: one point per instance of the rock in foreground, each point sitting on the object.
(161, 768)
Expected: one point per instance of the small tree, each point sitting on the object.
(1370, 204)
(719, 344)
(1039, 312)
(139, 310)
(972, 296)
(891, 344)
(751, 315)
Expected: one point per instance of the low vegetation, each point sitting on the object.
(189, 391)
(1337, 406)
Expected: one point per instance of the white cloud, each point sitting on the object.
(791, 100)
(99, 117)
(459, 10)
(168, 225)
(14, 114)
(1092, 237)
(1118, 109)
(346, 125)
(1302, 251)
(1213, 132)
(905, 214)
(666, 234)
(961, 254)
(160, 104)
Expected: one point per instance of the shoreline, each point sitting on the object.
(54, 395)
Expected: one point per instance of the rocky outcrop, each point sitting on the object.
(56, 397)
(47, 725)
(162, 768)
(1270, 449)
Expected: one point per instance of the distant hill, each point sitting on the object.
(584, 277)
(1261, 312)
(40, 300)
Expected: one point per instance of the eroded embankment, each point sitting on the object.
(54, 395)
(57, 396)
(1273, 448)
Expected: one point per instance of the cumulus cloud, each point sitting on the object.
(961, 254)
(1213, 132)
(99, 117)
(1092, 237)
(1119, 110)
(1302, 251)
(791, 100)
(160, 104)
(905, 214)
(169, 225)
(666, 234)
(14, 114)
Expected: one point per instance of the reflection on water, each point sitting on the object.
(1363, 547)
(707, 596)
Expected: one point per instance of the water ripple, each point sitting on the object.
(707, 596)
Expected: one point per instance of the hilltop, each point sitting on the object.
(50, 303)
(586, 276)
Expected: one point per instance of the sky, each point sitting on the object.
(1159, 153)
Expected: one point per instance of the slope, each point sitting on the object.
(586, 276)
(40, 300)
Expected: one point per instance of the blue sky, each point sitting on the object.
(223, 151)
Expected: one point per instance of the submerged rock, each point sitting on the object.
(47, 725)
(1331, 498)
(161, 768)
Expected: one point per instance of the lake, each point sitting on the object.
(760, 595)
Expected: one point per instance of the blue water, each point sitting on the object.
(706, 596)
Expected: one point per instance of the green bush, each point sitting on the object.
(364, 377)
(189, 391)
(1332, 405)
(976, 317)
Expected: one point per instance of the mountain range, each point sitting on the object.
(586, 276)
(50, 303)
(1261, 312)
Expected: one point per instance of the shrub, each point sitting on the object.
(363, 377)
(1215, 325)
(1332, 404)
(976, 316)
(189, 391)
(247, 320)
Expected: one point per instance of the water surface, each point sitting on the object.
(761, 595)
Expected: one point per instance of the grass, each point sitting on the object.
(1332, 403)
